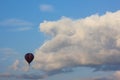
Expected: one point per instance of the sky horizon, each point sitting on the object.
(71, 40)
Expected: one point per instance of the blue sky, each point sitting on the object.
(50, 29)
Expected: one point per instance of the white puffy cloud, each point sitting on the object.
(15, 65)
(11, 60)
(91, 41)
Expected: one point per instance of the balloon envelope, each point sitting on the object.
(29, 57)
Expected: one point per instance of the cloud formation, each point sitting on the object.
(10, 60)
(17, 24)
(93, 41)
(46, 8)
(6, 53)
(34, 76)
(15, 65)
(114, 76)
(3, 76)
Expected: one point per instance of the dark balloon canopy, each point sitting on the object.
(29, 57)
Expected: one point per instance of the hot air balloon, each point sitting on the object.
(29, 57)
